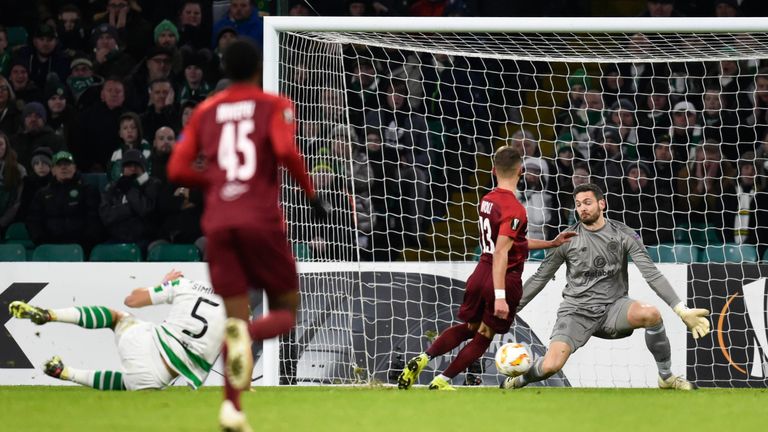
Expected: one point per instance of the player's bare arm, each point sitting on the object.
(499, 272)
(562, 238)
(140, 297)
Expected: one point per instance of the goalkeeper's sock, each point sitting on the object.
(658, 344)
(534, 374)
(273, 324)
(90, 317)
(471, 352)
(449, 340)
(100, 380)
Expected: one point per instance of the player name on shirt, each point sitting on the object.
(486, 207)
(230, 112)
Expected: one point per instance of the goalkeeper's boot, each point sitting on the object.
(441, 384)
(511, 383)
(54, 367)
(412, 371)
(39, 316)
(676, 382)
(232, 420)
(239, 365)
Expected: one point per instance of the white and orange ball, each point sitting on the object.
(513, 359)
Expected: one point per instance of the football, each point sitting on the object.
(513, 359)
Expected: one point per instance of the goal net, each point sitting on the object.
(398, 119)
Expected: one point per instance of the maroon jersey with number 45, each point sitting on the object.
(502, 214)
(243, 135)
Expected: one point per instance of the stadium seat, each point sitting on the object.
(476, 254)
(121, 252)
(17, 234)
(301, 251)
(17, 36)
(537, 254)
(13, 252)
(673, 253)
(58, 253)
(169, 252)
(97, 180)
(729, 253)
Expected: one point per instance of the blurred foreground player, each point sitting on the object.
(243, 135)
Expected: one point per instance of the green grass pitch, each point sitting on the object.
(340, 409)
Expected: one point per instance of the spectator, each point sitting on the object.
(162, 145)
(131, 137)
(299, 8)
(128, 205)
(568, 215)
(35, 133)
(761, 162)
(653, 115)
(11, 178)
(686, 132)
(537, 200)
(110, 58)
(162, 110)
(179, 208)
(9, 112)
(660, 9)
(62, 118)
(606, 159)
(428, 8)
(638, 206)
(662, 167)
(24, 89)
(187, 108)
(224, 37)
(758, 116)
(5, 53)
(133, 30)
(191, 30)
(572, 111)
(720, 117)
(67, 209)
(243, 16)
(362, 93)
(616, 84)
(99, 127)
(194, 86)
(84, 86)
(561, 184)
(157, 66)
(745, 216)
(167, 36)
(727, 8)
(334, 239)
(43, 57)
(38, 178)
(622, 116)
(357, 8)
(69, 25)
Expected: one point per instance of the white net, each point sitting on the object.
(398, 129)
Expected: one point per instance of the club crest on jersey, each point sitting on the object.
(515, 223)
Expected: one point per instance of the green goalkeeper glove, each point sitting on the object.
(695, 319)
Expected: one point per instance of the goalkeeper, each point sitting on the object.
(595, 301)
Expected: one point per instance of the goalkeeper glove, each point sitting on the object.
(695, 319)
(320, 208)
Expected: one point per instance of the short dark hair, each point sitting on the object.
(242, 60)
(506, 160)
(589, 187)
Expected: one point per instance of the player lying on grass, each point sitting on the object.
(495, 286)
(186, 344)
(595, 301)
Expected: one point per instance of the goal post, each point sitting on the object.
(398, 118)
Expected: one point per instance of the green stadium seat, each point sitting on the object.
(301, 251)
(17, 36)
(13, 252)
(168, 252)
(121, 252)
(537, 254)
(58, 253)
(97, 180)
(729, 253)
(17, 234)
(673, 253)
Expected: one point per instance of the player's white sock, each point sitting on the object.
(91, 317)
(444, 378)
(67, 315)
(100, 380)
(658, 344)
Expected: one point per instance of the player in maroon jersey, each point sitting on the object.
(243, 135)
(495, 287)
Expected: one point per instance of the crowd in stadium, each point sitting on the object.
(93, 95)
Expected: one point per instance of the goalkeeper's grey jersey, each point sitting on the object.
(596, 263)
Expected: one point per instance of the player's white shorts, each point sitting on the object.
(143, 367)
